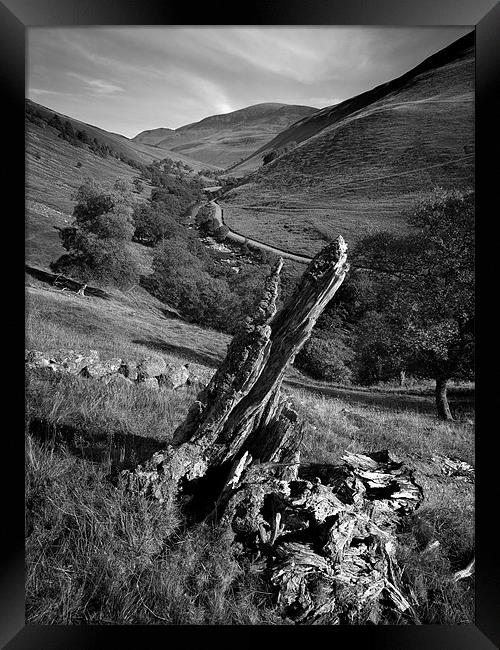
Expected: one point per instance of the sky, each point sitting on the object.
(129, 79)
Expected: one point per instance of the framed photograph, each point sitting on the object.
(250, 321)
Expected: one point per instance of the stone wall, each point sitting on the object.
(154, 371)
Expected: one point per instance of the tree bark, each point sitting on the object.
(242, 409)
(443, 408)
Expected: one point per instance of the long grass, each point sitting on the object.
(96, 555)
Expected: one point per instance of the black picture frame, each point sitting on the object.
(15, 17)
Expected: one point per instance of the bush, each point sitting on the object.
(325, 359)
(220, 233)
(139, 185)
(153, 224)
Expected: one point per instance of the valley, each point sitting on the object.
(164, 249)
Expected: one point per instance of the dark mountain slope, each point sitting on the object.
(360, 164)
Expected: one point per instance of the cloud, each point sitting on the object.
(99, 86)
(134, 78)
(45, 91)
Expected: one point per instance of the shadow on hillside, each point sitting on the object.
(158, 345)
(63, 282)
(120, 450)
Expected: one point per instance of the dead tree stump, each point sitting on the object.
(324, 535)
(241, 410)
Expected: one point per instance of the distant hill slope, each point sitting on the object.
(52, 176)
(137, 151)
(55, 168)
(360, 163)
(225, 139)
(152, 136)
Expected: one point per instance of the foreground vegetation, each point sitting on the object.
(95, 555)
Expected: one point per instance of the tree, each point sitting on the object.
(426, 289)
(180, 278)
(327, 354)
(98, 241)
(153, 224)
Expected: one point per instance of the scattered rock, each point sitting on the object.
(151, 367)
(151, 383)
(199, 375)
(101, 368)
(75, 362)
(35, 359)
(116, 379)
(152, 371)
(68, 361)
(174, 377)
(129, 370)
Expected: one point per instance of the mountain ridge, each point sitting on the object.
(225, 138)
(360, 165)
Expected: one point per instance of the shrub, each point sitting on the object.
(325, 359)
(139, 185)
(220, 233)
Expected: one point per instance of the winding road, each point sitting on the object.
(234, 236)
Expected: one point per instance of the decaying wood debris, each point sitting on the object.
(324, 535)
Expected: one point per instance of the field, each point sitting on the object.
(97, 556)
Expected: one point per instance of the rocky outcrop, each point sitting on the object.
(151, 372)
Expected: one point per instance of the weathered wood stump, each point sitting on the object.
(324, 535)
(242, 410)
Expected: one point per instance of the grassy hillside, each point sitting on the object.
(359, 164)
(79, 430)
(55, 168)
(52, 176)
(223, 140)
(137, 151)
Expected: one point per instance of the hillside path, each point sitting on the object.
(392, 400)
